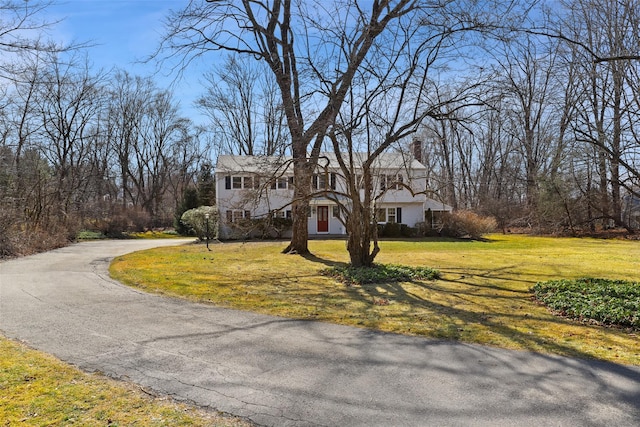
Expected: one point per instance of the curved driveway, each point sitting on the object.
(284, 372)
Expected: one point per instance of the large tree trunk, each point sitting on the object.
(362, 234)
(302, 171)
(361, 227)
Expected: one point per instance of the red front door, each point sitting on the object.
(323, 219)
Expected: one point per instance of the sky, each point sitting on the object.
(122, 33)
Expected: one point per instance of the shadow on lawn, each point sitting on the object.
(313, 258)
(511, 320)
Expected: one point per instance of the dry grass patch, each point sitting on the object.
(483, 296)
(37, 389)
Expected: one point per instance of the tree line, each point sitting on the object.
(89, 150)
(526, 113)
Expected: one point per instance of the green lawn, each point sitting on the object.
(483, 296)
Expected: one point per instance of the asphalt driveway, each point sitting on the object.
(283, 372)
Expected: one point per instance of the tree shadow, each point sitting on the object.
(316, 259)
(500, 322)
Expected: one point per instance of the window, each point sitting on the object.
(335, 211)
(282, 183)
(319, 181)
(288, 214)
(239, 182)
(247, 182)
(324, 181)
(236, 182)
(391, 182)
(389, 215)
(237, 215)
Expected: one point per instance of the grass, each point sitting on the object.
(483, 294)
(38, 390)
(90, 235)
(153, 234)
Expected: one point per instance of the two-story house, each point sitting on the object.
(253, 187)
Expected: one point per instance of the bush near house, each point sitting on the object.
(393, 229)
(202, 221)
(467, 224)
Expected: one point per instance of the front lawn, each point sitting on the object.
(483, 294)
(39, 390)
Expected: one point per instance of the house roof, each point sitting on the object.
(435, 205)
(257, 164)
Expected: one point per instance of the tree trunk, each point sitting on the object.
(300, 207)
(361, 227)
(361, 234)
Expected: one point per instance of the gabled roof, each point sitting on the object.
(268, 164)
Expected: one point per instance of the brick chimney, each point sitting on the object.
(417, 150)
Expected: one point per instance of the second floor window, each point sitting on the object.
(391, 182)
(324, 181)
(282, 183)
(247, 182)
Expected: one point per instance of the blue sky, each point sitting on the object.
(123, 33)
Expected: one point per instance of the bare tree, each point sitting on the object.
(23, 27)
(312, 49)
(152, 143)
(246, 115)
(68, 105)
(607, 35)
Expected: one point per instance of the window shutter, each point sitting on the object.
(333, 181)
(399, 215)
(315, 181)
(227, 182)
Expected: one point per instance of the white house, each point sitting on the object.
(252, 187)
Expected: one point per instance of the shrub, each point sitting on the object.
(380, 273)
(467, 224)
(264, 228)
(609, 302)
(122, 220)
(196, 220)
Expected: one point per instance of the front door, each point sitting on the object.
(323, 219)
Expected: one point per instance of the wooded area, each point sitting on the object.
(525, 113)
